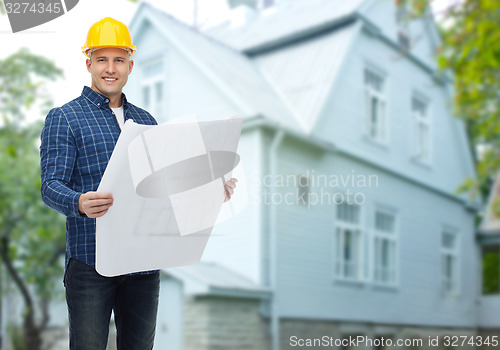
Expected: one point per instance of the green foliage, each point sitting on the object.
(31, 235)
(21, 84)
(491, 273)
(15, 334)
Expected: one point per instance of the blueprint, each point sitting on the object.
(167, 183)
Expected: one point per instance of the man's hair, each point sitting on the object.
(91, 51)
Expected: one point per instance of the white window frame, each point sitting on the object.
(403, 25)
(341, 266)
(303, 189)
(422, 153)
(450, 285)
(155, 107)
(261, 4)
(375, 131)
(392, 239)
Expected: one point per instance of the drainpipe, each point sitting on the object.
(273, 244)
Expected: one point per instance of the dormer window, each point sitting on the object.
(265, 4)
(152, 88)
(402, 21)
(375, 105)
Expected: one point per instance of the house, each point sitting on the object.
(347, 222)
(489, 245)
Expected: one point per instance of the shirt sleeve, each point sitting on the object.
(58, 154)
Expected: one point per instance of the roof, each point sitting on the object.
(235, 73)
(213, 279)
(290, 20)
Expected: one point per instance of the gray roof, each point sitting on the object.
(290, 20)
(288, 92)
(216, 279)
(239, 75)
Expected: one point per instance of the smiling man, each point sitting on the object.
(76, 144)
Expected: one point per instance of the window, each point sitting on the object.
(449, 262)
(152, 88)
(348, 243)
(402, 20)
(375, 106)
(491, 269)
(422, 138)
(303, 189)
(384, 246)
(265, 4)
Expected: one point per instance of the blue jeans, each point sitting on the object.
(91, 297)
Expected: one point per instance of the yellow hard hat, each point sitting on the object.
(109, 32)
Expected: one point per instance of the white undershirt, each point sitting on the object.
(119, 116)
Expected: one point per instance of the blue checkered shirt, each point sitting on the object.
(76, 144)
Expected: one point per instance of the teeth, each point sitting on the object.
(109, 79)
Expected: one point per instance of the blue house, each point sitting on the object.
(345, 222)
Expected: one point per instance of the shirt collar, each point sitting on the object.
(99, 100)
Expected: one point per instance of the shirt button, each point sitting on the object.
(113, 113)
(107, 101)
(98, 104)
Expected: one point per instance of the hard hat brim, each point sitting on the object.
(131, 49)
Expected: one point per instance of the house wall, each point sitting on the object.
(329, 334)
(423, 36)
(488, 311)
(214, 323)
(236, 242)
(343, 119)
(306, 284)
(169, 325)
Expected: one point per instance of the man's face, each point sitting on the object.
(109, 68)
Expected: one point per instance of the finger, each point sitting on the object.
(231, 184)
(94, 209)
(98, 195)
(98, 214)
(99, 202)
(229, 190)
(233, 179)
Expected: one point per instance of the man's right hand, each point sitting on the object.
(95, 204)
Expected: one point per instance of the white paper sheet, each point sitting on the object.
(168, 188)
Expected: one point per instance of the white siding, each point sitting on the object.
(169, 327)
(237, 242)
(186, 88)
(344, 113)
(305, 252)
(383, 14)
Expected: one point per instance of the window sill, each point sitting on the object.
(385, 287)
(348, 282)
(451, 295)
(376, 142)
(421, 163)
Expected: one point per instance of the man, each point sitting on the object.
(76, 144)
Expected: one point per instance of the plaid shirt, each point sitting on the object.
(76, 144)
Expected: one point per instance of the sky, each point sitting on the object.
(62, 38)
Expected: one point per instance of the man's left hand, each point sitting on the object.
(229, 188)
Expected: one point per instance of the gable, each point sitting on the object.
(292, 20)
(423, 34)
(231, 73)
(303, 73)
